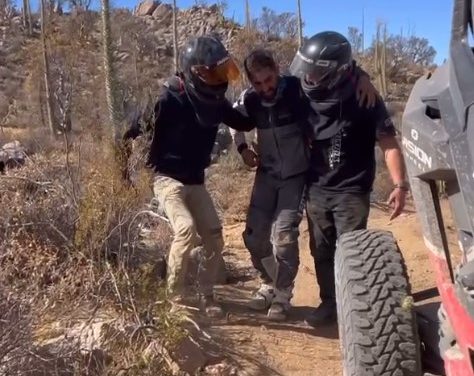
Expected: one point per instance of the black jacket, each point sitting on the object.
(180, 146)
(282, 127)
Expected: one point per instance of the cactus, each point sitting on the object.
(175, 37)
(248, 20)
(380, 59)
(300, 24)
(109, 72)
(47, 74)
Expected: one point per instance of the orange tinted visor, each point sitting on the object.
(224, 71)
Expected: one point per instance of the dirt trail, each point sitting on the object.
(262, 347)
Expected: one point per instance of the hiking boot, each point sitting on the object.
(280, 306)
(263, 298)
(326, 313)
(278, 311)
(211, 307)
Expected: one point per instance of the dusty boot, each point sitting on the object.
(326, 313)
(212, 308)
(280, 306)
(263, 298)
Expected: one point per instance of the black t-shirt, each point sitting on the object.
(344, 160)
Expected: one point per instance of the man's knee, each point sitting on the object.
(213, 240)
(286, 247)
(258, 243)
(186, 232)
(285, 238)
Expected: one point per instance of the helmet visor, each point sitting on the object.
(221, 73)
(315, 72)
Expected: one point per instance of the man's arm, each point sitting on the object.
(394, 159)
(237, 120)
(136, 129)
(396, 168)
(386, 136)
(238, 136)
(249, 157)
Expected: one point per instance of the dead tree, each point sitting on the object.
(63, 94)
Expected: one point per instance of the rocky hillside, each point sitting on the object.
(11, 58)
(143, 45)
(143, 49)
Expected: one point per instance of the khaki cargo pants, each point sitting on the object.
(194, 222)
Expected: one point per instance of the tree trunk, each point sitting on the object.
(175, 37)
(300, 25)
(47, 75)
(109, 73)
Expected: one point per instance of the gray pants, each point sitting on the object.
(275, 212)
(329, 216)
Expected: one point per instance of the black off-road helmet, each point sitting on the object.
(322, 60)
(207, 68)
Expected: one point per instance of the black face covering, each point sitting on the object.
(328, 105)
(322, 92)
(208, 102)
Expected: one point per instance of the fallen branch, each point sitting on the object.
(34, 182)
(31, 224)
(198, 328)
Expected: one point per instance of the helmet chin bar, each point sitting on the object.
(205, 93)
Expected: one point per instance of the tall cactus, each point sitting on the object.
(380, 59)
(300, 25)
(175, 37)
(47, 74)
(30, 22)
(24, 16)
(109, 72)
(248, 20)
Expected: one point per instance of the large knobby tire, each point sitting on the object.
(377, 326)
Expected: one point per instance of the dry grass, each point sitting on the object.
(68, 230)
(230, 184)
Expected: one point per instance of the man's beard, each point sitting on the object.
(269, 95)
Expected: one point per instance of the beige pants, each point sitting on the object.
(191, 213)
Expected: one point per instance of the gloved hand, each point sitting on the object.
(250, 158)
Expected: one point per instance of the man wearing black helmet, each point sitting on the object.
(342, 156)
(186, 120)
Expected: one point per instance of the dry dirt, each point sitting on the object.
(261, 347)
